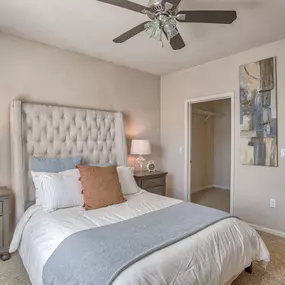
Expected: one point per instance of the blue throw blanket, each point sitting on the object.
(97, 256)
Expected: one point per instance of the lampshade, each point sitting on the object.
(140, 147)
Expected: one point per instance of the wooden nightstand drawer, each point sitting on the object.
(5, 222)
(153, 182)
(159, 190)
(1, 232)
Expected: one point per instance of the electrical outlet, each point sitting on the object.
(282, 152)
(272, 203)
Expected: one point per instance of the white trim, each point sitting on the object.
(187, 123)
(202, 188)
(269, 231)
(208, 187)
(187, 165)
(222, 187)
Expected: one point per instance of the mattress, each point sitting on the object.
(213, 256)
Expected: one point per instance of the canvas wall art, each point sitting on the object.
(258, 113)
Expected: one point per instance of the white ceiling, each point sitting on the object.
(88, 27)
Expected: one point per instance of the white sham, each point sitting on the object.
(58, 190)
(127, 181)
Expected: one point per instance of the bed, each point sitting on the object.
(215, 255)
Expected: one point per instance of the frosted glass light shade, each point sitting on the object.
(140, 147)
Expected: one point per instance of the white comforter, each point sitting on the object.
(211, 257)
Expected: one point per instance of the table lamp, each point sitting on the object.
(140, 148)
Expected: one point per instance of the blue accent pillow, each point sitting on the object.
(53, 164)
(106, 164)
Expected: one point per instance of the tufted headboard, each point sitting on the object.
(54, 131)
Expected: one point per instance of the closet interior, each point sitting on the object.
(211, 154)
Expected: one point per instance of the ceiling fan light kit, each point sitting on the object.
(161, 25)
(164, 15)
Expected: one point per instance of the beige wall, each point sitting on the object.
(222, 144)
(202, 149)
(253, 186)
(37, 73)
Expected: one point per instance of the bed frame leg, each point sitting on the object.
(249, 269)
(5, 256)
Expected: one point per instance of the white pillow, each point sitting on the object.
(127, 181)
(58, 190)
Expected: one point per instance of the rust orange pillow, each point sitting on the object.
(101, 186)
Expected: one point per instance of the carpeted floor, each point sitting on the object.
(12, 272)
(213, 197)
(275, 271)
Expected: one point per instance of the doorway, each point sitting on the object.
(209, 151)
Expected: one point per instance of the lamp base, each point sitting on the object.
(140, 163)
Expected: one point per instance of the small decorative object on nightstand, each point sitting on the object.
(154, 182)
(5, 222)
(151, 166)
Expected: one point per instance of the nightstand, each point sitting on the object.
(5, 222)
(154, 182)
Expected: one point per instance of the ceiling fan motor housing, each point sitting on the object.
(156, 6)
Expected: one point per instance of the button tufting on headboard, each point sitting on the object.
(43, 130)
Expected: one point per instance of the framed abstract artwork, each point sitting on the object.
(258, 113)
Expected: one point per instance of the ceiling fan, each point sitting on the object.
(163, 15)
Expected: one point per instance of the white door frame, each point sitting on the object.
(188, 118)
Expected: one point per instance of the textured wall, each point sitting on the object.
(253, 185)
(37, 73)
(202, 148)
(222, 144)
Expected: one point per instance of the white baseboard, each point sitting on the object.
(222, 187)
(209, 186)
(202, 188)
(269, 231)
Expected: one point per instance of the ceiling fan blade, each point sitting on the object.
(175, 3)
(177, 42)
(215, 17)
(131, 33)
(127, 5)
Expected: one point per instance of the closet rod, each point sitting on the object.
(206, 113)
